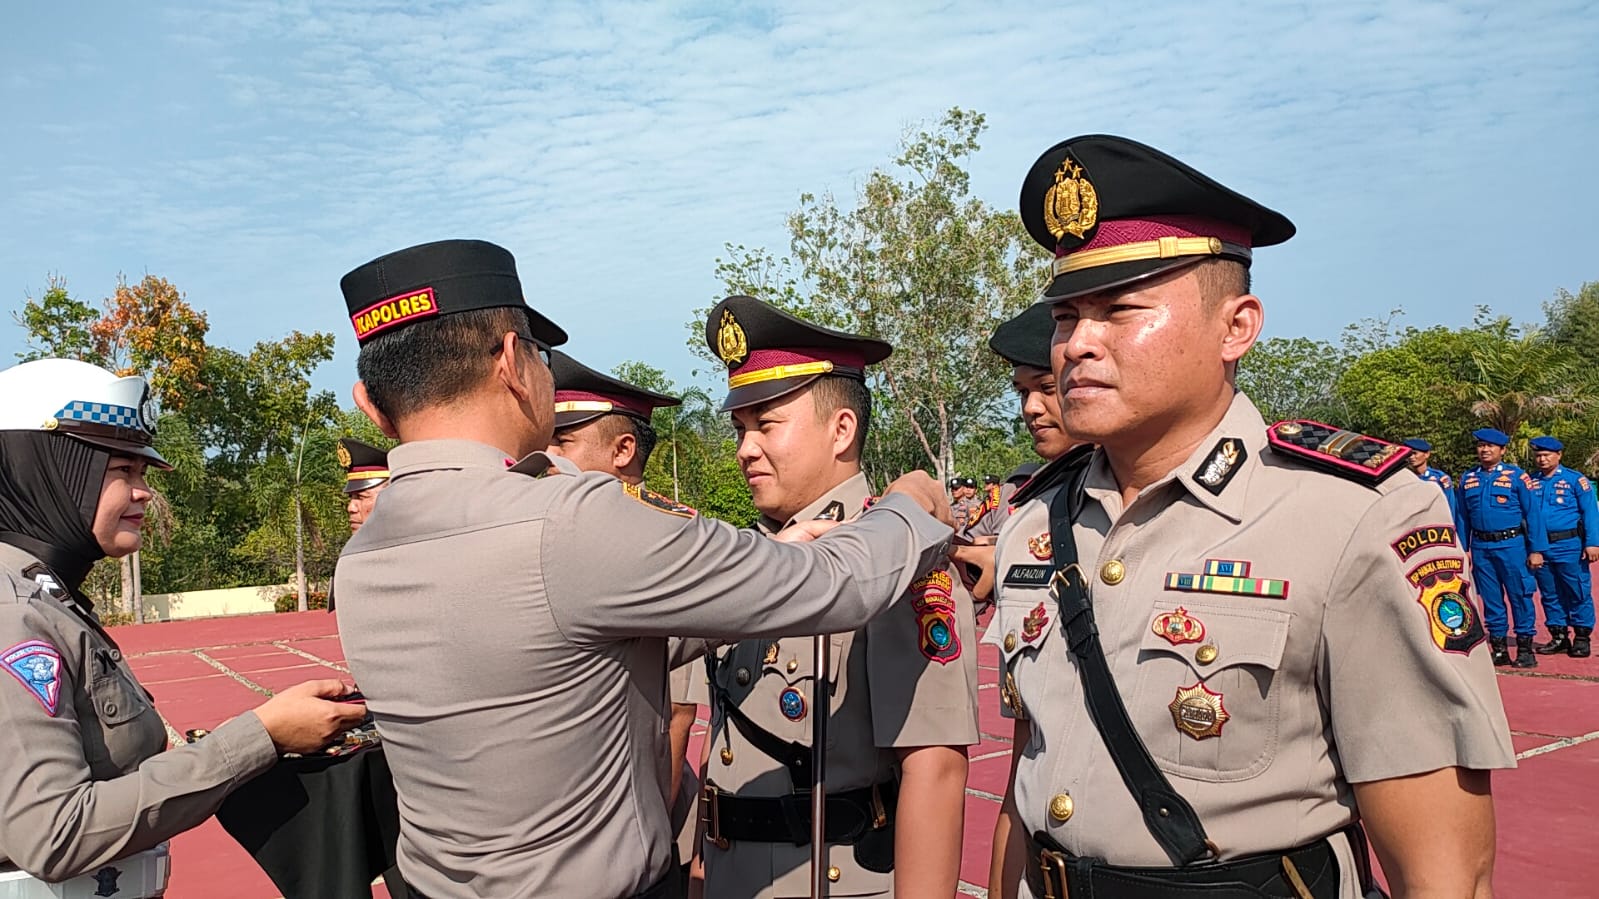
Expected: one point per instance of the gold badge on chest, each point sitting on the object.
(770, 658)
(1198, 711)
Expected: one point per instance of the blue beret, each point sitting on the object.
(1419, 445)
(1491, 435)
(1547, 443)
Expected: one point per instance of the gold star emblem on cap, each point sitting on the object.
(1072, 205)
(731, 344)
(344, 456)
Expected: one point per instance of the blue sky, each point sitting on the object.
(1435, 156)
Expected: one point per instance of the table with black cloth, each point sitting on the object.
(322, 827)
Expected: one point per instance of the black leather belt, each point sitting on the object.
(1308, 872)
(1495, 536)
(851, 814)
(1557, 536)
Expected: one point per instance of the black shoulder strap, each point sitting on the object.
(1169, 817)
(793, 755)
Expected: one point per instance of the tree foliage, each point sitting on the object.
(919, 262)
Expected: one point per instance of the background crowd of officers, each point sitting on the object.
(1200, 706)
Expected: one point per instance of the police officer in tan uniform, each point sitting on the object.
(1023, 341)
(508, 626)
(366, 473)
(904, 686)
(603, 424)
(1255, 630)
(87, 795)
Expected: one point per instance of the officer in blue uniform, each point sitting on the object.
(1420, 455)
(1499, 524)
(1570, 519)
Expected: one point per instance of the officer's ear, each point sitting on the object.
(843, 426)
(365, 404)
(624, 449)
(1243, 317)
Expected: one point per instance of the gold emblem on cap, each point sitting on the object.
(344, 456)
(1198, 712)
(731, 344)
(1071, 206)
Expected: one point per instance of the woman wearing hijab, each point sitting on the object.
(86, 790)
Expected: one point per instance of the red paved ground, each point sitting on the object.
(203, 672)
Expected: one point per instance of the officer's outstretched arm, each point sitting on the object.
(56, 823)
(1433, 832)
(619, 566)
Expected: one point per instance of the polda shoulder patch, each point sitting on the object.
(1345, 453)
(657, 501)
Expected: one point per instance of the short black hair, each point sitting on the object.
(615, 424)
(433, 362)
(834, 392)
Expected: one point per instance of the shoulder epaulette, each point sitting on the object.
(657, 501)
(1345, 453)
(1052, 474)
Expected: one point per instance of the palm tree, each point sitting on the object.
(1516, 379)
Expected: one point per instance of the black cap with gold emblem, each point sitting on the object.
(365, 466)
(583, 394)
(769, 353)
(1025, 339)
(1114, 211)
(429, 280)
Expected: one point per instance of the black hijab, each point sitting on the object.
(49, 490)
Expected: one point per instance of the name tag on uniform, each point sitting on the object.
(1029, 575)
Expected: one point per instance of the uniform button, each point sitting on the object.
(742, 676)
(1113, 572)
(116, 655)
(1010, 642)
(1206, 654)
(110, 708)
(727, 756)
(833, 873)
(1061, 807)
(793, 665)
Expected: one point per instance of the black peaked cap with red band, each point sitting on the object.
(1114, 212)
(421, 283)
(365, 466)
(583, 394)
(769, 353)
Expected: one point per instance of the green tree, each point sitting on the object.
(58, 326)
(917, 262)
(1295, 377)
(1518, 379)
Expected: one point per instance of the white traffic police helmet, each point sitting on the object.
(82, 401)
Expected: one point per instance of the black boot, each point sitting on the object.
(1558, 643)
(1524, 654)
(1579, 643)
(1501, 658)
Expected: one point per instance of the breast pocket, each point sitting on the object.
(116, 699)
(1206, 703)
(1021, 628)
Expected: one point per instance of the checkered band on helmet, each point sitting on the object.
(102, 414)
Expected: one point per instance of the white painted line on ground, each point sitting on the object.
(231, 673)
(310, 656)
(1556, 746)
(984, 794)
(973, 890)
(990, 755)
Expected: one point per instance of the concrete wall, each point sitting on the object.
(211, 603)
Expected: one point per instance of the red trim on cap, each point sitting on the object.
(761, 360)
(360, 468)
(1125, 231)
(583, 396)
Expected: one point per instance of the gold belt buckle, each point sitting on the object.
(1053, 867)
(711, 816)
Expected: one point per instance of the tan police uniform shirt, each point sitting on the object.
(893, 689)
(509, 632)
(688, 687)
(84, 779)
(1284, 700)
